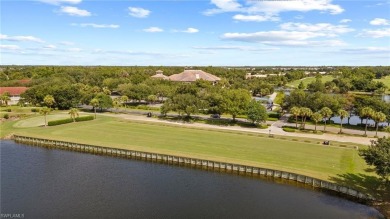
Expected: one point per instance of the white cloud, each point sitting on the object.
(367, 50)
(232, 47)
(306, 43)
(49, 47)
(190, 30)
(138, 12)
(294, 34)
(378, 33)
(273, 8)
(302, 6)
(224, 6)
(278, 35)
(21, 38)
(74, 50)
(96, 25)
(74, 11)
(256, 18)
(153, 30)
(343, 21)
(58, 2)
(329, 30)
(380, 21)
(9, 47)
(67, 43)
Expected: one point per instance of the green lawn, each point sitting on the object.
(307, 158)
(328, 163)
(308, 80)
(386, 81)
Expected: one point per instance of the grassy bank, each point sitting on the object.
(337, 164)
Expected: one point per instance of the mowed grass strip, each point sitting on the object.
(304, 158)
(308, 80)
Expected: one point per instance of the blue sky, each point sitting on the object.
(182, 32)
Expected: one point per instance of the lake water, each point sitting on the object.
(50, 183)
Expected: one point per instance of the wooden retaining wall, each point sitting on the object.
(213, 165)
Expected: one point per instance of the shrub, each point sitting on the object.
(288, 129)
(8, 110)
(272, 119)
(60, 122)
(6, 116)
(274, 115)
(84, 118)
(34, 110)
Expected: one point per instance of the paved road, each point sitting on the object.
(274, 128)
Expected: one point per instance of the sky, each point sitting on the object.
(195, 32)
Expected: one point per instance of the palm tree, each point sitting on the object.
(5, 98)
(73, 112)
(116, 103)
(343, 114)
(366, 112)
(316, 117)
(95, 103)
(295, 111)
(326, 114)
(49, 100)
(45, 111)
(124, 100)
(378, 117)
(305, 112)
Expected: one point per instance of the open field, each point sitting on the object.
(308, 80)
(386, 81)
(307, 158)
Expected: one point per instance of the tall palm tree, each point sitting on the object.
(366, 112)
(305, 112)
(326, 114)
(378, 117)
(295, 111)
(49, 100)
(316, 117)
(45, 111)
(95, 103)
(73, 112)
(343, 114)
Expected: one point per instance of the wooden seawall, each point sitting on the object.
(209, 164)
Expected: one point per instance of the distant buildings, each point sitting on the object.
(188, 76)
(159, 75)
(14, 93)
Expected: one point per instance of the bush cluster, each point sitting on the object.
(84, 118)
(69, 120)
(288, 129)
(274, 115)
(60, 122)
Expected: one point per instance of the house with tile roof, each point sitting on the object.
(159, 75)
(194, 75)
(14, 93)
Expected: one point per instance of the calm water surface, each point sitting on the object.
(47, 183)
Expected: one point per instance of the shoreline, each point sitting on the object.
(322, 185)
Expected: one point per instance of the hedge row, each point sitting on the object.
(84, 118)
(60, 122)
(288, 129)
(69, 120)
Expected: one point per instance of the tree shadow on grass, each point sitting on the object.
(367, 184)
